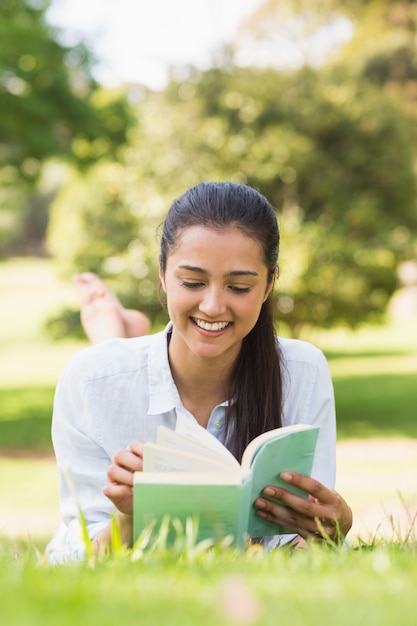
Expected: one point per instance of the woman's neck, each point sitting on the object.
(202, 383)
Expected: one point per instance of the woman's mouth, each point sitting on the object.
(212, 326)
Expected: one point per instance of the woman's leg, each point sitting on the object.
(102, 315)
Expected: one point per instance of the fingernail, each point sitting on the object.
(286, 476)
(268, 491)
(260, 504)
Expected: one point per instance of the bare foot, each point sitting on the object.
(102, 315)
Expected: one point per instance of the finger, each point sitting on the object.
(329, 505)
(310, 485)
(305, 507)
(128, 459)
(121, 496)
(136, 447)
(311, 513)
(287, 517)
(119, 475)
(116, 491)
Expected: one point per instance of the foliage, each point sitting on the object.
(51, 107)
(111, 231)
(50, 103)
(315, 146)
(331, 146)
(390, 61)
(312, 142)
(381, 52)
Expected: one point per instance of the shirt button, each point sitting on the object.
(217, 424)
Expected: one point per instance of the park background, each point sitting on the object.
(326, 132)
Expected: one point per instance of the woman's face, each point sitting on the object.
(216, 282)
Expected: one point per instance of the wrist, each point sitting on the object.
(125, 524)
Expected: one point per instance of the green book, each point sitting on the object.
(188, 473)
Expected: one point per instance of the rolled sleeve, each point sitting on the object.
(82, 462)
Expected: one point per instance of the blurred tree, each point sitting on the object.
(383, 49)
(49, 101)
(116, 208)
(331, 148)
(376, 57)
(314, 144)
(50, 106)
(375, 40)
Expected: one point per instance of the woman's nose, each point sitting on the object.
(213, 302)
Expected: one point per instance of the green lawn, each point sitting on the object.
(29, 362)
(373, 587)
(374, 372)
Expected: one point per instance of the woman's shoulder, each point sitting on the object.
(306, 375)
(299, 351)
(112, 357)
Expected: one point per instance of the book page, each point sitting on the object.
(192, 430)
(187, 478)
(158, 458)
(171, 439)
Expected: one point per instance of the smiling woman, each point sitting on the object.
(214, 299)
(218, 362)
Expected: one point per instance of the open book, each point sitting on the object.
(189, 473)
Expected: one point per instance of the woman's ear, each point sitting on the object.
(162, 279)
(271, 284)
(162, 275)
(267, 292)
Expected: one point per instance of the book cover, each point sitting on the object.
(189, 473)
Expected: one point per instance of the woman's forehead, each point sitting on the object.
(202, 246)
(228, 236)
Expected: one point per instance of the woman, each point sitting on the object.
(218, 361)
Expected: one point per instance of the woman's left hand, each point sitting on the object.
(325, 514)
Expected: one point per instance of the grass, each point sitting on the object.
(29, 497)
(374, 372)
(376, 405)
(372, 586)
(25, 421)
(29, 361)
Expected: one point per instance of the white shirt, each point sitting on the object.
(121, 390)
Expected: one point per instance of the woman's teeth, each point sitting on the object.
(215, 326)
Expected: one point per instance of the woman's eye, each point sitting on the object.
(189, 285)
(236, 289)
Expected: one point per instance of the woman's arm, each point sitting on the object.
(119, 490)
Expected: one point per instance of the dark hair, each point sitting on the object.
(256, 387)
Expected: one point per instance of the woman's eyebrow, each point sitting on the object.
(242, 273)
(192, 268)
(200, 270)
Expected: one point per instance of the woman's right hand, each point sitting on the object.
(119, 489)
